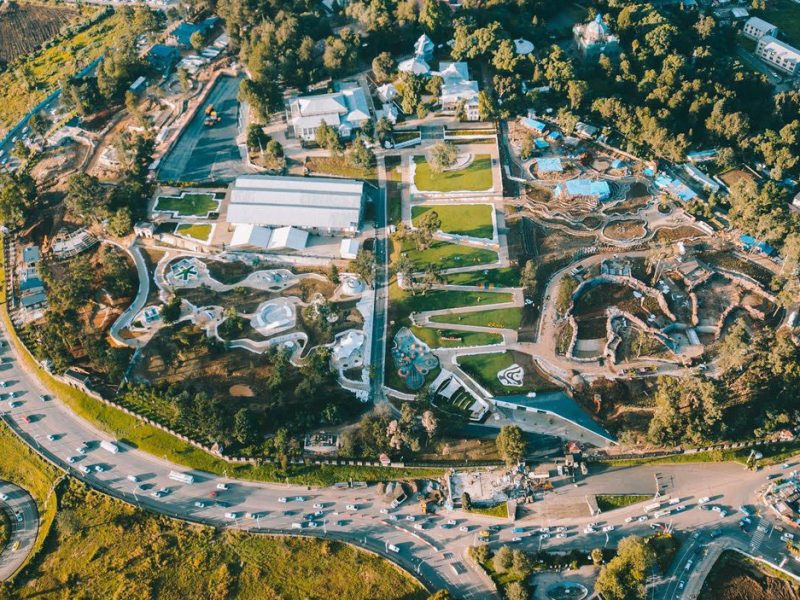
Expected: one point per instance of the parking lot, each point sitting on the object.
(209, 153)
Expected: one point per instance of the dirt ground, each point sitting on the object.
(735, 577)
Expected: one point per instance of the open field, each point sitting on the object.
(497, 318)
(24, 26)
(475, 177)
(484, 368)
(502, 277)
(735, 576)
(446, 338)
(101, 545)
(403, 303)
(200, 232)
(474, 220)
(51, 65)
(189, 205)
(612, 501)
(337, 166)
(448, 256)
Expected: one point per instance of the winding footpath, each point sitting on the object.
(23, 532)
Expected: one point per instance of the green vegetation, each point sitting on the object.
(473, 220)
(198, 231)
(484, 368)
(5, 530)
(502, 277)
(786, 15)
(445, 255)
(101, 546)
(450, 338)
(475, 177)
(499, 510)
(498, 318)
(393, 189)
(625, 575)
(23, 88)
(339, 166)
(189, 205)
(404, 303)
(607, 502)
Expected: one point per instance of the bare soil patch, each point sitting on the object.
(735, 577)
(25, 26)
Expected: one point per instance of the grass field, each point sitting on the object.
(52, 64)
(474, 220)
(448, 256)
(190, 205)
(495, 510)
(484, 368)
(475, 177)
(435, 337)
(101, 546)
(403, 303)
(394, 182)
(200, 232)
(502, 277)
(613, 501)
(497, 318)
(785, 14)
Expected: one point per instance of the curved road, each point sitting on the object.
(436, 554)
(24, 519)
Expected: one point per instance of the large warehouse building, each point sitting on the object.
(320, 205)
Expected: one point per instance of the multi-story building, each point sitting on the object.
(779, 54)
(595, 38)
(756, 28)
(345, 111)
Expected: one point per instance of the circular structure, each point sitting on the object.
(352, 286)
(567, 590)
(273, 315)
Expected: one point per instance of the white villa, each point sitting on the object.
(345, 111)
(458, 89)
(418, 64)
(595, 38)
(756, 28)
(779, 55)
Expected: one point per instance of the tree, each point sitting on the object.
(364, 265)
(121, 222)
(734, 350)
(505, 57)
(326, 137)
(244, 427)
(341, 52)
(517, 591)
(434, 18)
(480, 553)
(383, 129)
(171, 310)
(576, 92)
(39, 123)
(197, 41)
(687, 410)
(597, 557)
(466, 501)
(384, 67)
(17, 195)
(427, 226)
(522, 564)
(441, 595)
(625, 575)
(486, 106)
(20, 150)
(430, 424)
(333, 273)
(184, 79)
(528, 278)
(360, 155)
(503, 559)
(257, 138)
(441, 156)
(86, 199)
(511, 444)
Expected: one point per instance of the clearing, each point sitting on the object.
(448, 256)
(25, 26)
(498, 318)
(200, 232)
(475, 177)
(187, 205)
(473, 220)
(448, 338)
(485, 367)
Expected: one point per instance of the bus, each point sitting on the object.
(182, 477)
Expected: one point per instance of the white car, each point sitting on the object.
(545, 536)
(133, 478)
(384, 511)
(4, 497)
(300, 499)
(560, 529)
(411, 518)
(516, 539)
(14, 404)
(283, 500)
(351, 507)
(81, 449)
(544, 530)
(561, 535)
(51, 437)
(99, 468)
(451, 522)
(703, 500)
(464, 529)
(589, 529)
(72, 460)
(787, 536)
(629, 519)
(716, 508)
(642, 518)
(318, 505)
(223, 487)
(313, 524)
(608, 528)
(418, 526)
(200, 504)
(85, 470)
(231, 515)
(393, 517)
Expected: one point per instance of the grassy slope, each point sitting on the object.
(502, 277)
(448, 256)
(200, 232)
(476, 177)
(50, 65)
(785, 14)
(505, 318)
(150, 439)
(433, 337)
(463, 219)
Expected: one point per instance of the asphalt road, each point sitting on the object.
(381, 284)
(436, 552)
(209, 153)
(23, 532)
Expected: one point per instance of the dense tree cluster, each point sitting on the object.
(625, 575)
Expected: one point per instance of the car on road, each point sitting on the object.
(283, 500)
(681, 584)
(464, 529)
(318, 505)
(608, 528)
(642, 518)
(745, 522)
(762, 528)
(200, 504)
(52, 437)
(419, 526)
(20, 516)
(544, 536)
(44, 397)
(516, 539)
(722, 514)
(703, 500)
(224, 487)
(393, 548)
(352, 507)
(451, 522)
(3, 384)
(165, 490)
(85, 470)
(133, 478)
(589, 529)
(518, 530)
(393, 517)
(232, 515)
(27, 418)
(99, 469)
(689, 564)
(384, 511)
(787, 537)
(629, 519)
(82, 449)
(72, 459)
(318, 513)
(411, 518)
(313, 524)
(341, 523)
(300, 499)
(14, 404)
(4, 497)
(561, 535)
(546, 529)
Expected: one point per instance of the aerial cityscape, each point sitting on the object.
(400, 299)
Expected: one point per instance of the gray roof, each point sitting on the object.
(33, 299)
(31, 254)
(306, 202)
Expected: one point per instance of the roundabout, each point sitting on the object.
(22, 517)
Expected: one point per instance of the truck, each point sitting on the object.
(299, 525)
(182, 477)
(393, 548)
(109, 447)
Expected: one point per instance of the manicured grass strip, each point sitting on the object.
(435, 337)
(403, 303)
(473, 220)
(475, 177)
(190, 205)
(448, 256)
(608, 502)
(502, 277)
(497, 318)
(495, 510)
(200, 232)
(484, 368)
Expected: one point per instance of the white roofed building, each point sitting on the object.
(415, 65)
(458, 90)
(779, 55)
(595, 38)
(423, 47)
(321, 205)
(756, 28)
(345, 111)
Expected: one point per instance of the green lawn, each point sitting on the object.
(497, 318)
(613, 501)
(474, 220)
(495, 510)
(448, 256)
(394, 182)
(200, 231)
(458, 339)
(190, 205)
(476, 177)
(503, 277)
(484, 368)
(785, 14)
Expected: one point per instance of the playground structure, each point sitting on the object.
(413, 359)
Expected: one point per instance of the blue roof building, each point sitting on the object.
(585, 187)
(182, 34)
(163, 57)
(549, 165)
(541, 144)
(533, 124)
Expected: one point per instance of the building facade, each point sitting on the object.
(345, 111)
(756, 28)
(779, 54)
